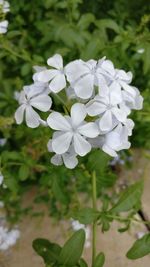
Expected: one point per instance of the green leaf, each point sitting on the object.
(58, 191)
(86, 20)
(140, 248)
(73, 248)
(85, 216)
(108, 23)
(47, 250)
(129, 198)
(24, 172)
(100, 260)
(82, 263)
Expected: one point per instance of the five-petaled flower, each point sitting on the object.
(72, 130)
(29, 99)
(55, 76)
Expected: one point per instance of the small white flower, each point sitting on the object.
(72, 131)
(116, 140)
(122, 79)
(3, 141)
(69, 158)
(140, 50)
(3, 26)
(1, 179)
(29, 99)
(106, 104)
(5, 6)
(82, 76)
(133, 102)
(8, 238)
(55, 76)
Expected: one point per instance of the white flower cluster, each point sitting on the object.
(76, 225)
(103, 94)
(8, 238)
(4, 8)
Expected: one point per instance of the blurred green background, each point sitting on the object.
(83, 29)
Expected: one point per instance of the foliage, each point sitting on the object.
(140, 248)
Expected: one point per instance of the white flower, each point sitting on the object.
(140, 50)
(72, 131)
(116, 140)
(122, 79)
(1, 179)
(106, 104)
(69, 158)
(8, 238)
(28, 100)
(5, 6)
(37, 85)
(133, 102)
(82, 76)
(3, 26)
(3, 141)
(55, 76)
(106, 68)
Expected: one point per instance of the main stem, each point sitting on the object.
(94, 200)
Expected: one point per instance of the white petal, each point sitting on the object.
(46, 75)
(57, 160)
(108, 66)
(84, 87)
(90, 130)
(75, 69)
(22, 97)
(32, 117)
(41, 102)
(119, 114)
(19, 114)
(128, 88)
(61, 143)
(124, 76)
(49, 146)
(112, 139)
(109, 151)
(3, 26)
(70, 161)
(81, 146)
(115, 93)
(78, 114)
(56, 61)
(106, 121)
(130, 125)
(57, 122)
(58, 83)
(95, 108)
(102, 86)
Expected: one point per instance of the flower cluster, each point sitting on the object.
(8, 238)
(99, 92)
(4, 8)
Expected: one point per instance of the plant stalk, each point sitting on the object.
(94, 201)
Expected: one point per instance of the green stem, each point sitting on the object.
(94, 200)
